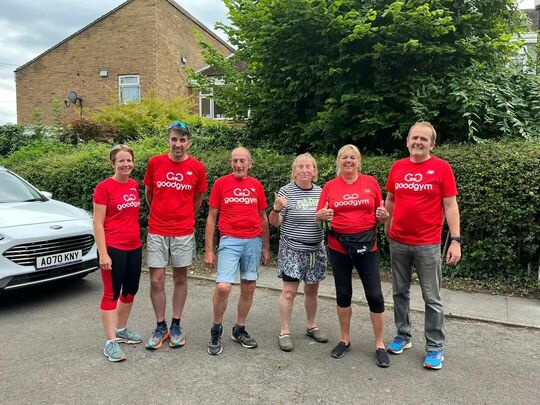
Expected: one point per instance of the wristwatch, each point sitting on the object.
(456, 238)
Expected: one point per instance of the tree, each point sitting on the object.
(320, 73)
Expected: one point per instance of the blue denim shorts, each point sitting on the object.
(238, 254)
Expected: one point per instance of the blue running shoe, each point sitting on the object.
(156, 339)
(128, 336)
(176, 337)
(434, 360)
(113, 352)
(398, 345)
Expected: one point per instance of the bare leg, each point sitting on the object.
(311, 292)
(108, 319)
(220, 299)
(377, 321)
(344, 316)
(285, 303)
(247, 289)
(179, 291)
(123, 310)
(157, 292)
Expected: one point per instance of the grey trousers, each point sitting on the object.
(427, 262)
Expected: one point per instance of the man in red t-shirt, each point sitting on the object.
(175, 183)
(421, 193)
(240, 202)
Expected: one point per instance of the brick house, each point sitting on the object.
(139, 46)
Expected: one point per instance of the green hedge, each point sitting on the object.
(498, 183)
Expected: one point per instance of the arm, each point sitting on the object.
(198, 201)
(149, 194)
(275, 217)
(210, 230)
(389, 205)
(105, 261)
(451, 213)
(266, 238)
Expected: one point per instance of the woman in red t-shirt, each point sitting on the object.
(352, 204)
(117, 233)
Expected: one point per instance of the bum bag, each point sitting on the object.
(357, 244)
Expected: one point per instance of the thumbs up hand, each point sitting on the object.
(279, 202)
(381, 214)
(325, 213)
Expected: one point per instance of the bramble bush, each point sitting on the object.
(498, 184)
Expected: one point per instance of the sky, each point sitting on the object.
(30, 27)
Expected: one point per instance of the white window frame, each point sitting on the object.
(121, 86)
(208, 95)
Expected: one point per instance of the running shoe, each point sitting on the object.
(128, 336)
(214, 346)
(240, 335)
(158, 336)
(381, 358)
(398, 345)
(176, 336)
(339, 351)
(113, 352)
(434, 360)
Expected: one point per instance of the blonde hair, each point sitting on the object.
(114, 151)
(426, 124)
(340, 153)
(306, 156)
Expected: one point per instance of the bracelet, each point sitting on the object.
(278, 211)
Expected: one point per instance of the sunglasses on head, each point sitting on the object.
(179, 125)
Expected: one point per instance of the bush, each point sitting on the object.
(499, 193)
(13, 137)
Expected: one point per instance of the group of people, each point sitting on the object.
(341, 218)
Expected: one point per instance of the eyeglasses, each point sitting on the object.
(179, 125)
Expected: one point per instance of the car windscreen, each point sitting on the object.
(13, 189)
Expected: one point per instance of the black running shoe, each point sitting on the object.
(381, 358)
(339, 351)
(214, 346)
(240, 335)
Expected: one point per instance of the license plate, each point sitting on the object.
(58, 259)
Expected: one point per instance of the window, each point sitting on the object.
(208, 107)
(129, 89)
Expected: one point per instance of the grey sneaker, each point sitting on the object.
(156, 339)
(240, 335)
(176, 337)
(214, 346)
(128, 336)
(286, 343)
(113, 352)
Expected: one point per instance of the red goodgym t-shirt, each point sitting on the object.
(239, 202)
(354, 206)
(122, 230)
(419, 189)
(174, 187)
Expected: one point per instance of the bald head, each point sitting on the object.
(241, 162)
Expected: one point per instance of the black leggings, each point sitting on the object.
(123, 277)
(368, 269)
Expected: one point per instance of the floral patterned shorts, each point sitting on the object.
(308, 266)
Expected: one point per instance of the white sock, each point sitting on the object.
(121, 329)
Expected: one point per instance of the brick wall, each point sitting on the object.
(144, 37)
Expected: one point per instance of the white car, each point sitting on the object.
(41, 239)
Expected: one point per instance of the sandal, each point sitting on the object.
(316, 334)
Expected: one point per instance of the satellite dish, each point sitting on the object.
(72, 97)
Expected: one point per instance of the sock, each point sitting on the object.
(118, 330)
(217, 326)
(109, 341)
(175, 321)
(162, 324)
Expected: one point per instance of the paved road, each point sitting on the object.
(52, 353)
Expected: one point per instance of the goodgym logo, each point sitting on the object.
(242, 196)
(351, 199)
(417, 178)
(130, 202)
(174, 180)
